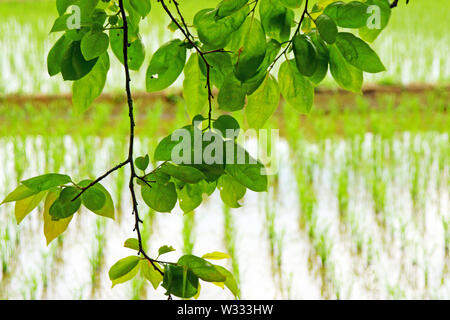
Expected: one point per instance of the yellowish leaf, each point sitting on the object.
(216, 255)
(25, 206)
(52, 229)
(198, 292)
(219, 284)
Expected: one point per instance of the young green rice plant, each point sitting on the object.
(415, 180)
(323, 246)
(30, 289)
(230, 242)
(342, 191)
(138, 288)
(188, 232)
(97, 258)
(19, 143)
(307, 197)
(275, 242)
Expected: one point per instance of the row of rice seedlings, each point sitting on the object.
(97, 257)
(9, 235)
(230, 242)
(275, 239)
(188, 232)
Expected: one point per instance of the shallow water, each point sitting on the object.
(399, 252)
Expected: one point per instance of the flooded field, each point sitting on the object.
(351, 214)
(359, 208)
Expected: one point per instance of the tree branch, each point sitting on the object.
(395, 3)
(202, 54)
(83, 190)
(305, 12)
(130, 159)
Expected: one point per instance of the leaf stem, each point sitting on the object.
(130, 159)
(187, 35)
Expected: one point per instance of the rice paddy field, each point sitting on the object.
(359, 208)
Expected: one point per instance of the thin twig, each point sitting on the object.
(186, 34)
(130, 160)
(84, 189)
(305, 11)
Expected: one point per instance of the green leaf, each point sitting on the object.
(166, 65)
(52, 229)
(190, 197)
(216, 32)
(160, 197)
(143, 7)
(93, 198)
(62, 5)
(276, 19)
(21, 192)
(94, 44)
(165, 249)
(201, 268)
(132, 243)
(231, 95)
(55, 55)
(327, 28)
(294, 4)
(60, 23)
(347, 76)
(123, 270)
(142, 162)
(248, 45)
(349, 15)
(25, 206)
(246, 170)
(221, 66)
(371, 33)
(226, 122)
(133, 18)
(88, 88)
(358, 53)
(231, 191)
(73, 64)
(149, 273)
(208, 187)
(305, 55)
(108, 208)
(179, 281)
(64, 207)
(195, 92)
(230, 281)
(216, 255)
(295, 88)
(262, 103)
(252, 84)
(184, 173)
(322, 59)
(136, 51)
(47, 181)
(228, 7)
(331, 10)
(164, 149)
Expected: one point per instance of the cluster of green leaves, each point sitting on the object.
(232, 47)
(58, 191)
(180, 279)
(188, 182)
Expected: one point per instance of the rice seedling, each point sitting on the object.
(188, 232)
(230, 242)
(97, 256)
